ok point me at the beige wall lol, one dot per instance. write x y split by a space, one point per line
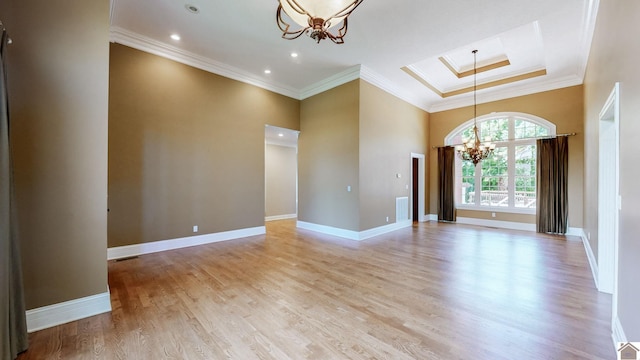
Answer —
58 80
614 56
563 107
186 147
281 176
360 136
390 130
328 158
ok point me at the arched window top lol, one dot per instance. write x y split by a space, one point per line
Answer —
503 126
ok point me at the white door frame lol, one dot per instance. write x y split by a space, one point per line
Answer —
609 195
421 188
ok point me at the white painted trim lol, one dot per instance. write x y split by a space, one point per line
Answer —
577 232
421 185
329 230
384 84
163 245
336 80
497 223
280 217
64 312
380 230
608 193
588 28
431 217
617 332
525 87
593 264
351 234
146 44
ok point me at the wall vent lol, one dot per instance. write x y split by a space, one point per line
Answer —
402 209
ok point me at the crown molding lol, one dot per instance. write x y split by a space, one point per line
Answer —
146 44
384 84
336 80
588 28
526 88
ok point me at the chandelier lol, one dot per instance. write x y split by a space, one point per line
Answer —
472 149
316 18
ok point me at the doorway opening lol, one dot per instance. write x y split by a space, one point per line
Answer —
417 187
609 200
280 173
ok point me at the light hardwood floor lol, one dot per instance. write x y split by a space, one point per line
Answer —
432 291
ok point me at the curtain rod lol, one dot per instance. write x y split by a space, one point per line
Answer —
9 41
530 138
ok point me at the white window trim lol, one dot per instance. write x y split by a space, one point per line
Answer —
510 144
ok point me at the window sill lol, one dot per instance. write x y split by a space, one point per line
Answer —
496 209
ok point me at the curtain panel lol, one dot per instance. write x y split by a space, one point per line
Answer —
13 326
446 178
552 212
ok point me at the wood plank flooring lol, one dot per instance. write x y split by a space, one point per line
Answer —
432 291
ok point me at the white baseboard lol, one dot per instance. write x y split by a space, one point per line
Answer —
163 245
432 217
280 217
497 223
617 333
591 257
64 312
351 234
369 233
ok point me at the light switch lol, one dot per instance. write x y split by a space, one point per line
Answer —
349 188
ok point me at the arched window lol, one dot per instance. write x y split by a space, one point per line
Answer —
506 181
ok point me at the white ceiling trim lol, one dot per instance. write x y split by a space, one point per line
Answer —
336 80
509 92
589 26
384 84
143 43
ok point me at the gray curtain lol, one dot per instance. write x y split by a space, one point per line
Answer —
552 212
446 174
13 331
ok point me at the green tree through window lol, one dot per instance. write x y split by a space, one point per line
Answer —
506 180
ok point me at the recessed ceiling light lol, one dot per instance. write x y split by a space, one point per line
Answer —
281 134
294 54
192 9
175 37
267 71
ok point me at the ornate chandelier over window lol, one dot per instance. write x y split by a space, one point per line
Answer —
472 149
316 18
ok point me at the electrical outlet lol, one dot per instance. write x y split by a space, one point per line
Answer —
387 219
195 228
493 214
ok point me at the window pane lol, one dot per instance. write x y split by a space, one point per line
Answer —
496 129
525 194
468 190
495 179
525 129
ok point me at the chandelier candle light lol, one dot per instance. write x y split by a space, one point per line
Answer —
316 18
474 150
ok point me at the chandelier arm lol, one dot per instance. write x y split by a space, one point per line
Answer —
297 8
320 27
289 35
347 10
338 39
